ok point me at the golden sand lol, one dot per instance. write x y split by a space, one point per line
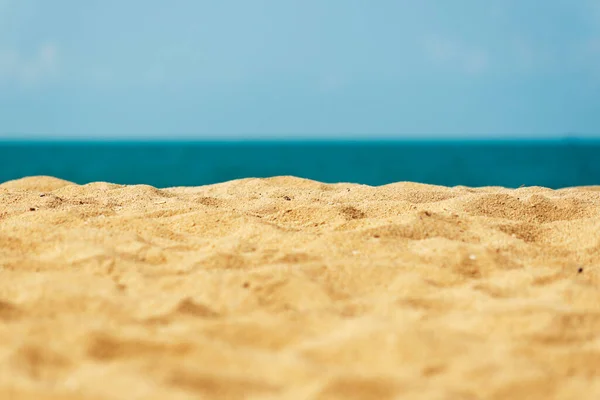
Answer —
286 288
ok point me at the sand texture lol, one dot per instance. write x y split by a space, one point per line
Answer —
286 288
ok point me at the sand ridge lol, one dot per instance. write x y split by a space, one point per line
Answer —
295 289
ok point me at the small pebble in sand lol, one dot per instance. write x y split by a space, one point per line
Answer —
472 257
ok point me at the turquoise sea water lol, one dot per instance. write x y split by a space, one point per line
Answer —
551 163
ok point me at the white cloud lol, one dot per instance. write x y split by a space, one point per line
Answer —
451 53
475 62
29 70
332 82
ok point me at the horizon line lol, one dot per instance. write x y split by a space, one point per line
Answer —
296 138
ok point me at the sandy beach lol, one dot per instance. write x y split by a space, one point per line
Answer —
286 288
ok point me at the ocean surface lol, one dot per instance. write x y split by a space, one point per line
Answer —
549 163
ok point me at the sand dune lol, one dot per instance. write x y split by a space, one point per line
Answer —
286 288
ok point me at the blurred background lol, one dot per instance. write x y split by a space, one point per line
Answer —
192 92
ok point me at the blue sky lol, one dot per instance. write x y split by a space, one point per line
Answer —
299 68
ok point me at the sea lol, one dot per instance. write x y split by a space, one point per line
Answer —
510 163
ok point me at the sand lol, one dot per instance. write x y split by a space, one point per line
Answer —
286 288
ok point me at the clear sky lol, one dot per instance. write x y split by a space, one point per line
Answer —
299 68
